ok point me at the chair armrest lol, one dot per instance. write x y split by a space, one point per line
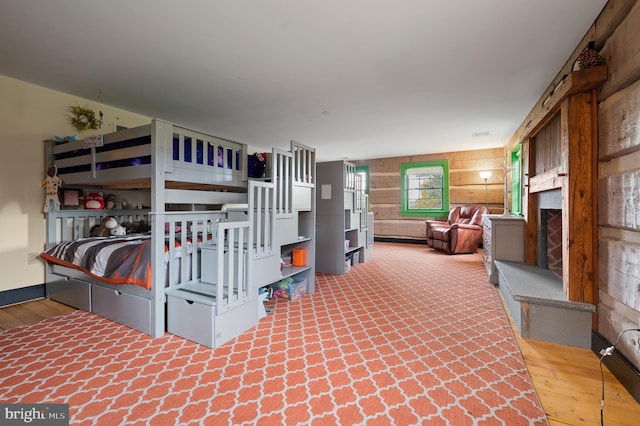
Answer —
439 223
466 226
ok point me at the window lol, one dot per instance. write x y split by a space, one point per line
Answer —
424 188
516 187
364 172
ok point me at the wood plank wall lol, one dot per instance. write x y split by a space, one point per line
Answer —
619 184
465 186
615 34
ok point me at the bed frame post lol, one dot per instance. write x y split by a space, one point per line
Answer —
161 138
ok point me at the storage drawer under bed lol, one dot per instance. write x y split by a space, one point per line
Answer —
71 292
194 318
191 320
126 309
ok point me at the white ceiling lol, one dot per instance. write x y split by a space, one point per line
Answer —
357 79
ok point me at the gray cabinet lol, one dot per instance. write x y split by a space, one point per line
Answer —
341 217
502 239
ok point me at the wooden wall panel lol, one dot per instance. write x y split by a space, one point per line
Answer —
384 180
465 186
385 212
405 228
619 118
613 13
619 200
474 194
472 177
620 270
384 196
610 323
621 53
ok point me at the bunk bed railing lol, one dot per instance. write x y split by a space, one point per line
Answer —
195 152
364 211
349 176
232 288
227 240
282 178
133 154
67 225
82 163
262 218
304 159
359 192
184 234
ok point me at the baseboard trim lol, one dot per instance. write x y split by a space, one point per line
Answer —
626 373
22 294
400 240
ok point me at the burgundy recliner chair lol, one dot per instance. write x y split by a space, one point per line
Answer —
461 233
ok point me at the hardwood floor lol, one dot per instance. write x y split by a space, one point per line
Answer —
30 312
566 378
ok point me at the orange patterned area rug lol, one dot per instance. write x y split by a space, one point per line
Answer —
410 337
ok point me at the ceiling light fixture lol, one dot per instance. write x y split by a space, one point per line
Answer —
480 134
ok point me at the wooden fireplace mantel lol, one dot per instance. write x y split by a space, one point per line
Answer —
575 99
576 82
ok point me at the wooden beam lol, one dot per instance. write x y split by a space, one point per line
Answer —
531 210
579 199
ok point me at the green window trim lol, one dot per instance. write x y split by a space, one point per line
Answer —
365 170
516 183
436 192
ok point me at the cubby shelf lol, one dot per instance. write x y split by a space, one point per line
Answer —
341 216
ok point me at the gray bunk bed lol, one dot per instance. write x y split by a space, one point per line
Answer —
178 167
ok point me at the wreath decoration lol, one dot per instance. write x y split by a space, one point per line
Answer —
83 118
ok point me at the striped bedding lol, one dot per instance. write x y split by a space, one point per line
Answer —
114 260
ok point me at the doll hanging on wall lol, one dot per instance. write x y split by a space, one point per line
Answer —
51 185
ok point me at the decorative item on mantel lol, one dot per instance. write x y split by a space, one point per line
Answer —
588 58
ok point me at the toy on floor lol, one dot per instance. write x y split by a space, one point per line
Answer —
264 294
51 185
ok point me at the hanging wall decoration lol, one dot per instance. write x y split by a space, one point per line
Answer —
51 185
83 118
